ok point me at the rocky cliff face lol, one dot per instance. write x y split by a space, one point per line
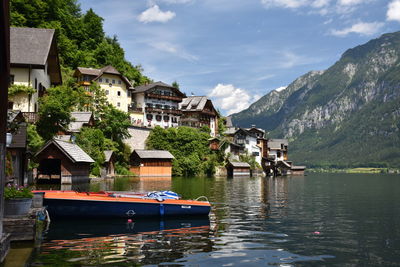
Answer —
357 99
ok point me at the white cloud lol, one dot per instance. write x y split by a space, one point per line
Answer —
176 1
231 99
173 49
284 3
350 2
279 89
361 28
393 12
320 3
154 14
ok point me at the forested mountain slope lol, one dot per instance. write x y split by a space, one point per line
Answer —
348 115
81 38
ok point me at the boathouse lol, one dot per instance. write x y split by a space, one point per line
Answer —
63 162
151 163
108 169
235 169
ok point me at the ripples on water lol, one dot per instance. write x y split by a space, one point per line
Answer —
300 221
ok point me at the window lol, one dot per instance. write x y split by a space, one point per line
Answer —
107 80
100 80
166 107
166 118
158 106
118 93
149 117
119 82
255 154
11 79
35 83
174 119
129 94
113 81
118 104
107 92
158 117
149 105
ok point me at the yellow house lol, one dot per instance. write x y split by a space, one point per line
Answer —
116 86
34 63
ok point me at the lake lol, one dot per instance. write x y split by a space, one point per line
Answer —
318 219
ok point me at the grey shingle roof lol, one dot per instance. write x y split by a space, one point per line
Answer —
146 87
194 103
71 150
154 154
81 116
240 164
89 71
30 45
277 143
108 154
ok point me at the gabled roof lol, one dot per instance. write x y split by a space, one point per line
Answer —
97 73
33 47
245 132
197 103
13 115
240 164
30 46
153 154
277 143
78 120
147 87
71 150
108 154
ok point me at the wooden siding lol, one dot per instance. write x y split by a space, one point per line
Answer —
152 171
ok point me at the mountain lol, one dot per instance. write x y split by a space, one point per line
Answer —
345 116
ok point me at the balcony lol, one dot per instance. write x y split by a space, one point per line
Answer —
134 109
31 117
163 110
165 97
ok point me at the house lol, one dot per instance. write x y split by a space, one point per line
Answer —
258 132
198 111
214 143
116 86
34 63
235 169
108 169
18 147
248 141
79 120
151 163
63 162
156 104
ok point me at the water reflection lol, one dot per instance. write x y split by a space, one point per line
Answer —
320 219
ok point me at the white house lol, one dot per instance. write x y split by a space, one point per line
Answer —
156 104
116 86
249 141
34 63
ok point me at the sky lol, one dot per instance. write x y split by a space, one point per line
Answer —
236 51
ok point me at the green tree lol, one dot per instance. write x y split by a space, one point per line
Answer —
114 123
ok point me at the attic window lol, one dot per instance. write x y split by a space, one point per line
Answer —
119 82
100 80
107 80
158 117
113 81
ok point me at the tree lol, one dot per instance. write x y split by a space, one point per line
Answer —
55 110
188 145
114 123
175 84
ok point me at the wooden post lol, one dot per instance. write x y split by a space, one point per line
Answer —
4 83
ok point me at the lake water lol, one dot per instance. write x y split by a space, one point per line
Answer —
318 219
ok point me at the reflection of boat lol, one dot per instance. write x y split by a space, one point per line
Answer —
82 228
103 204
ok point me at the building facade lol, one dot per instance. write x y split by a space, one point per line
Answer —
248 141
117 87
198 111
34 63
151 163
156 104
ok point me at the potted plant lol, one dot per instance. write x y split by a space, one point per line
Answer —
18 200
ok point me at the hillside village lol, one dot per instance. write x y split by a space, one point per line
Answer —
35 67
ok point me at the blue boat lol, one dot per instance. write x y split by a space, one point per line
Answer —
105 204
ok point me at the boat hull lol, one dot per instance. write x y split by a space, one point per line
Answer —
92 206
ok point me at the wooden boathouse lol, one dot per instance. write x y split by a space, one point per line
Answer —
151 163
63 162
235 169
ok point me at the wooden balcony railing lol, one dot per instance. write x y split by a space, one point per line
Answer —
166 97
163 110
31 117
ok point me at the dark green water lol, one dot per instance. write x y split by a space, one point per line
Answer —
316 220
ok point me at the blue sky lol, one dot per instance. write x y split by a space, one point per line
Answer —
235 51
